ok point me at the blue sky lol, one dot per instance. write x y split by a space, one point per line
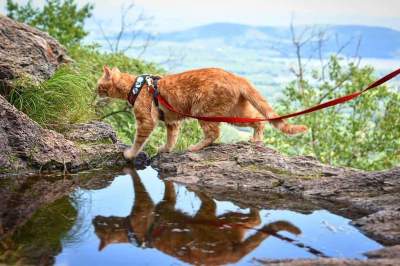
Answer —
170 15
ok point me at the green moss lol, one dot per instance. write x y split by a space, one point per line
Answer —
311 176
266 168
93 142
208 162
279 171
276 183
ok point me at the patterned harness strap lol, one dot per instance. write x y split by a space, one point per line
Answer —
152 82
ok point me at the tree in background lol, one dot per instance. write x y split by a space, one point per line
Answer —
132 34
62 19
363 133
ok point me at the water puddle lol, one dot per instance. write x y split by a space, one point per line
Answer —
138 219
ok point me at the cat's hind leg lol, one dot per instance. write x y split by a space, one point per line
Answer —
258 134
208 207
211 133
172 137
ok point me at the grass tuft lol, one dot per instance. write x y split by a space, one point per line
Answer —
65 98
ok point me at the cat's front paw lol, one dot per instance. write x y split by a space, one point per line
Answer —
129 154
194 148
164 149
255 140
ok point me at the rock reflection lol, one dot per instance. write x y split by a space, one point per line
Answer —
203 238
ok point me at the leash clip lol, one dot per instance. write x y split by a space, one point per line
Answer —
149 81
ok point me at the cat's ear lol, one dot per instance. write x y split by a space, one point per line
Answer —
116 70
107 72
116 74
102 244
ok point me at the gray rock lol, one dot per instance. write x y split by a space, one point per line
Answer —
389 256
383 226
388 252
26 51
26 146
93 131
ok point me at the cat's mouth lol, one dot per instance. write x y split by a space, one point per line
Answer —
102 94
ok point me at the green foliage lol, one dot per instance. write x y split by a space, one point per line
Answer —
363 133
62 19
65 98
91 60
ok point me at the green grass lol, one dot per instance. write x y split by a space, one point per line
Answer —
65 98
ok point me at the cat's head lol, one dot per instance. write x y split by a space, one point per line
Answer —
113 83
110 230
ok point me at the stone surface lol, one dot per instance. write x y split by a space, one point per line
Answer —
94 131
26 51
252 173
382 257
26 146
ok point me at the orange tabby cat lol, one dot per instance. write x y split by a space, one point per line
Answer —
201 92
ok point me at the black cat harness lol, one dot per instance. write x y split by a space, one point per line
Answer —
152 84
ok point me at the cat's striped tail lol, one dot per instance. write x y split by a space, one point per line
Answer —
255 98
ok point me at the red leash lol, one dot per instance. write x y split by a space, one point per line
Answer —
327 104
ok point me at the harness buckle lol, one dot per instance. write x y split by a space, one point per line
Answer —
149 81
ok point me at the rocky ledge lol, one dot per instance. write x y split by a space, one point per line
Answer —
252 175
389 256
25 146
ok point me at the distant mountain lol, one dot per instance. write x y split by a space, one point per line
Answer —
376 42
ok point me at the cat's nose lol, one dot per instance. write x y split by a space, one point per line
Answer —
102 93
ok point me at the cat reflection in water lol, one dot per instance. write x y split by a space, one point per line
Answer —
205 238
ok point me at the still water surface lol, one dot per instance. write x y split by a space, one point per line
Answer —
138 219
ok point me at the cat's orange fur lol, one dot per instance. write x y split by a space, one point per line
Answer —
201 92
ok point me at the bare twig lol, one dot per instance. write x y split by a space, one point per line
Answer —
174 59
132 27
125 110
